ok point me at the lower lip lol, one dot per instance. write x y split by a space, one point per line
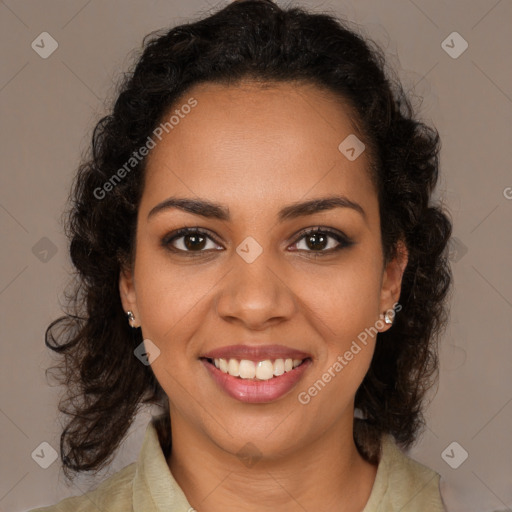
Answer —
257 391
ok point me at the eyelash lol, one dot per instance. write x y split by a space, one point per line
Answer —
343 240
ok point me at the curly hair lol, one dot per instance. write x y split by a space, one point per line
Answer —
105 384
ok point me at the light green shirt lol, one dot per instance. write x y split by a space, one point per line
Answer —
401 484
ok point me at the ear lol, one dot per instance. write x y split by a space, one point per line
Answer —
127 293
392 279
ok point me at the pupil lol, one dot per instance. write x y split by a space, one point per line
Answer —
191 241
316 241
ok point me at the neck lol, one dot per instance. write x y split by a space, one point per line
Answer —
328 474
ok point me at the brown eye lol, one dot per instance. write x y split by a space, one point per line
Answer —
189 240
316 241
194 242
322 240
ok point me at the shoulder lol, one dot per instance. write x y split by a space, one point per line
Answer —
114 494
403 483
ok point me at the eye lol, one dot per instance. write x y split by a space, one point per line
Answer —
321 240
318 241
190 240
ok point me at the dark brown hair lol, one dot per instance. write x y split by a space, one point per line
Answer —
105 383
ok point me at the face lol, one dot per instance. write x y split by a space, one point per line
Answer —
257 269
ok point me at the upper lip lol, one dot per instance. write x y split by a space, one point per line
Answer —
256 352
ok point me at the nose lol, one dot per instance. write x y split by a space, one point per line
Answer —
256 294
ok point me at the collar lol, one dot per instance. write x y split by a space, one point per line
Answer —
400 480
154 487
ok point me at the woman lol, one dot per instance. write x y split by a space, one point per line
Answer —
257 253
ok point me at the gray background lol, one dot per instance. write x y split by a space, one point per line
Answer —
49 107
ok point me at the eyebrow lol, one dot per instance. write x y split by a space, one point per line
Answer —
212 210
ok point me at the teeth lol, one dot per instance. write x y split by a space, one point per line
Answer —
247 369
223 365
278 367
233 368
262 370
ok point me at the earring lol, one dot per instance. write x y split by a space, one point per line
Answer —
388 319
131 318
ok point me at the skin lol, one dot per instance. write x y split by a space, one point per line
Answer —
256 150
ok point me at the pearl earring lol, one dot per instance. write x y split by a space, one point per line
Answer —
388 319
131 318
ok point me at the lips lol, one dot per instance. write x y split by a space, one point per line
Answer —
253 390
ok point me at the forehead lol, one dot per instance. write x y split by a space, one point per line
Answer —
250 142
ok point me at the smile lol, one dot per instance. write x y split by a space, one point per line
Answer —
256 381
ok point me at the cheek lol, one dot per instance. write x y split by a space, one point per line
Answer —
347 309
345 298
170 298
172 304
346 313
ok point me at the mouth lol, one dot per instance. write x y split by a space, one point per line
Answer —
256 381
